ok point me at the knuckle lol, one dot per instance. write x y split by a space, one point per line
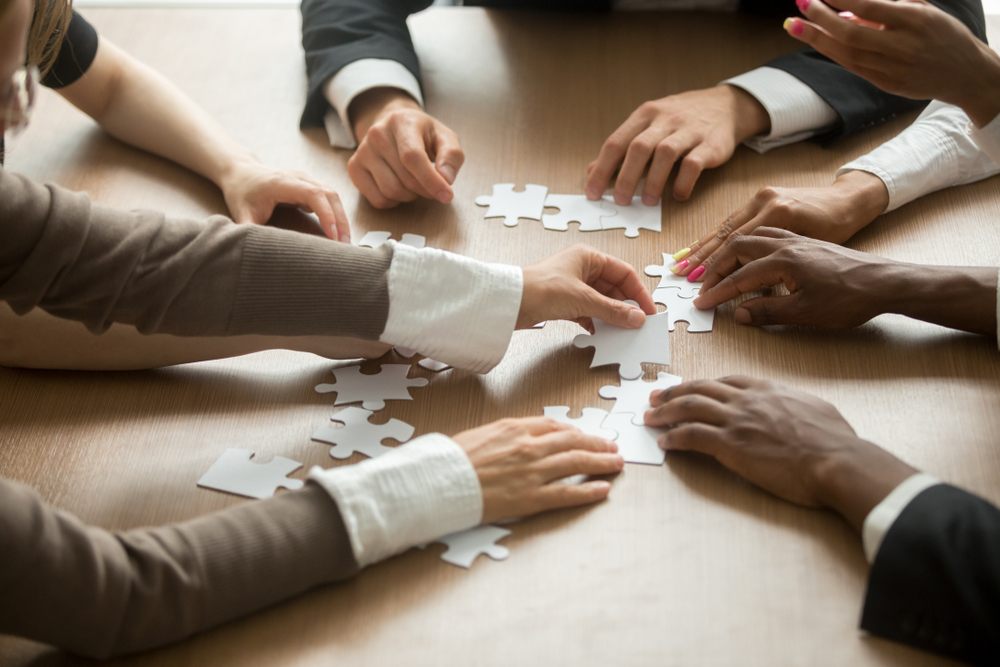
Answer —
411 157
694 162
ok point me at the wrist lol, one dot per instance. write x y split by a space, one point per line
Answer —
750 118
980 99
856 477
232 169
369 106
861 196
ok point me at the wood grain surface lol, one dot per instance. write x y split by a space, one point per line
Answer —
684 564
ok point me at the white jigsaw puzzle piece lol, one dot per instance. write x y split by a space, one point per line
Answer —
680 309
238 472
636 443
358 434
632 396
466 546
634 217
433 365
376 239
512 205
590 422
390 383
629 348
576 208
668 280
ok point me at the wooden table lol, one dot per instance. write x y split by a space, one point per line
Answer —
685 564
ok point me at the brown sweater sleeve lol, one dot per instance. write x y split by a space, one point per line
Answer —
99 594
99 265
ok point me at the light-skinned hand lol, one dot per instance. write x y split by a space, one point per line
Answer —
905 47
252 192
520 462
693 131
403 152
581 283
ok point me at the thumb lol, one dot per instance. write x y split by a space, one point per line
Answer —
763 311
612 311
448 154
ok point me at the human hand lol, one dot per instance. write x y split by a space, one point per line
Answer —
252 192
580 283
696 130
909 48
829 286
787 442
403 152
831 213
520 462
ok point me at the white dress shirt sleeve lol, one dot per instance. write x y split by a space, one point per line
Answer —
797 112
452 308
354 79
988 138
937 151
880 519
415 494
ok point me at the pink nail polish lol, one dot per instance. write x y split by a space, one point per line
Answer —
680 266
803 5
696 274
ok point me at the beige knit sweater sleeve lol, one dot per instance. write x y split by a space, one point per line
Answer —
100 593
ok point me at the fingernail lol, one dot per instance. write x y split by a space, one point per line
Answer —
612 446
662 441
448 172
593 193
803 5
681 254
636 318
649 200
742 316
696 274
795 27
679 266
444 196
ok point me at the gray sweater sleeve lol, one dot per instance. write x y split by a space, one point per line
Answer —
98 265
99 594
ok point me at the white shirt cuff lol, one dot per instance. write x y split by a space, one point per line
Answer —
881 518
354 79
415 494
937 151
988 138
797 112
451 308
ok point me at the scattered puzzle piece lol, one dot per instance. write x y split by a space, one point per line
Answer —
376 239
238 472
632 396
629 348
390 383
510 205
590 422
680 309
358 434
634 217
427 363
466 546
636 443
668 280
576 208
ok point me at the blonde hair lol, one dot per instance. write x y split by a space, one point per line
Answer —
48 29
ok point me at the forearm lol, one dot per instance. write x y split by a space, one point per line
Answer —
147 111
39 340
981 98
101 594
955 297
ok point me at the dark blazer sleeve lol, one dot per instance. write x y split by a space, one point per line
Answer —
858 103
335 33
935 583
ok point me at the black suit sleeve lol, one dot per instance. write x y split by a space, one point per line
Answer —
935 583
860 104
335 33
76 54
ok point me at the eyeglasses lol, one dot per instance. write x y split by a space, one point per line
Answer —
19 99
